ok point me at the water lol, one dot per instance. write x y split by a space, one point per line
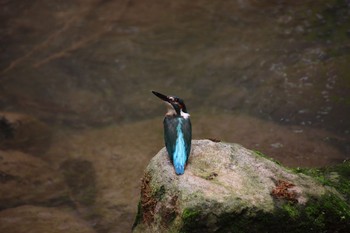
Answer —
270 75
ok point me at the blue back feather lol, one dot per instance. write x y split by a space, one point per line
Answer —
179 156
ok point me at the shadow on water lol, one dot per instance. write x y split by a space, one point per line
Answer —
270 75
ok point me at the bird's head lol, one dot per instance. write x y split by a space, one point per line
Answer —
177 105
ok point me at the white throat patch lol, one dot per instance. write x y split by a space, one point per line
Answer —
184 115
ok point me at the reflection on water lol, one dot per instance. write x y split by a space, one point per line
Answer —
270 75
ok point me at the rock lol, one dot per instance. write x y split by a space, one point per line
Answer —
32 219
24 133
26 179
337 176
227 188
80 177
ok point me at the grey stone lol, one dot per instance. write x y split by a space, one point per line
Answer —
227 188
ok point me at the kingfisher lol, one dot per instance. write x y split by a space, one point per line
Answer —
177 131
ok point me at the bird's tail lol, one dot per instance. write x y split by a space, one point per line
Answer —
179 169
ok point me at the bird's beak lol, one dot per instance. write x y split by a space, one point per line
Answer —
161 96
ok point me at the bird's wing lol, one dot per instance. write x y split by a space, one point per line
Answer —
187 131
170 135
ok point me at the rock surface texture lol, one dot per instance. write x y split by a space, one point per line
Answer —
227 188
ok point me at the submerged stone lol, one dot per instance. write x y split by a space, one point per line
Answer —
24 133
227 188
30 218
25 179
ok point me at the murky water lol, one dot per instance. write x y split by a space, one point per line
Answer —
273 76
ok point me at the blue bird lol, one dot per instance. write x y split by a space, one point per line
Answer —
177 131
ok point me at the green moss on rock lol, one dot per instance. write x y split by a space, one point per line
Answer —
328 213
192 221
292 211
138 218
337 176
159 193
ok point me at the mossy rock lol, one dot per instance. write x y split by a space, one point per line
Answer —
337 177
248 193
